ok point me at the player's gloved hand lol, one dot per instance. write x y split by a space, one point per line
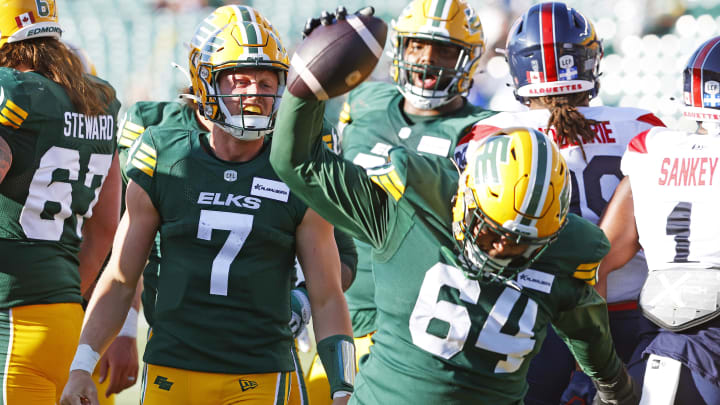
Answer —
327 18
300 307
620 390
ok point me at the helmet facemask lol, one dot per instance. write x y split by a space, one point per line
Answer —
480 265
248 125
450 82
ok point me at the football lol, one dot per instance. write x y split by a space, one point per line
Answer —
335 58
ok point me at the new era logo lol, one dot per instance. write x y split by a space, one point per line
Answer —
247 385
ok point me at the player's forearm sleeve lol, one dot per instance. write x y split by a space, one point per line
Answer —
586 331
336 189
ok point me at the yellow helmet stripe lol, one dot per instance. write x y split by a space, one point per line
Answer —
540 175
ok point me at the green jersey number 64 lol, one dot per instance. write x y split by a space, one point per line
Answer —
428 308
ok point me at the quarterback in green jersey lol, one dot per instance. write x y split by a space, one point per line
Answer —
59 197
424 110
230 231
172 114
458 325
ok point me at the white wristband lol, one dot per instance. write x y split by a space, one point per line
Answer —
340 394
129 328
85 359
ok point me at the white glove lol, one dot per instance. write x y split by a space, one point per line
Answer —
300 308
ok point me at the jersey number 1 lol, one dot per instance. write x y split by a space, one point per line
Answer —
678 224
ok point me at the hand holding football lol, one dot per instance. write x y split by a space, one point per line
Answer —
339 52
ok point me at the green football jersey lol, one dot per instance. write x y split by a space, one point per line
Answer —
372 122
443 338
60 161
139 116
227 255
171 114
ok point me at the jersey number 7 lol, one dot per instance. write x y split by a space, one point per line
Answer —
239 226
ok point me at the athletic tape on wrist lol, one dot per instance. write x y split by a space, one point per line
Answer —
85 359
337 354
129 328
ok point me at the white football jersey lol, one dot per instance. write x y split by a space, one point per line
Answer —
675 182
595 179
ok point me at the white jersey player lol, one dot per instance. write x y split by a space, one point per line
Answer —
672 188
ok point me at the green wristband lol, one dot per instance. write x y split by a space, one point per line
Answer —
337 354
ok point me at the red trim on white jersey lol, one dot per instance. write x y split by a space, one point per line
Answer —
638 143
479 132
652 120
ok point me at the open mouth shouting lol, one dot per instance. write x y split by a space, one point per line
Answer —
424 80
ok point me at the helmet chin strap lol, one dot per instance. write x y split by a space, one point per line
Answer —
425 99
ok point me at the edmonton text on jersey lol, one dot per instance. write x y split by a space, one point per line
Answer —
685 171
91 127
